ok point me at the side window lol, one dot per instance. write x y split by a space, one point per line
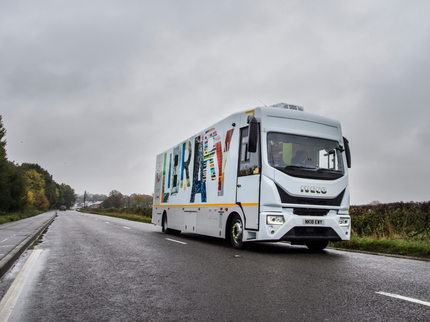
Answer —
249 163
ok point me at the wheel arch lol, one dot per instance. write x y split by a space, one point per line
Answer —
228 223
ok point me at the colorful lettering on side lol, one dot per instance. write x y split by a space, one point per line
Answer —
210 140
176 169
223 163
158 178
186 146
199 185
164 195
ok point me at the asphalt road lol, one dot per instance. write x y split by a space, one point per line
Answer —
96 268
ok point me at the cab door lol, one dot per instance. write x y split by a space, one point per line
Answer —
248 181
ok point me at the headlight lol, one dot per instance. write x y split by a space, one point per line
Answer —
275 220
343 222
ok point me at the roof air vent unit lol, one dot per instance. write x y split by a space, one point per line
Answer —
289 107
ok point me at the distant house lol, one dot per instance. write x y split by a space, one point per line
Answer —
97 204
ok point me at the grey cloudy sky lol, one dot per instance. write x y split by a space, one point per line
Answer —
92 91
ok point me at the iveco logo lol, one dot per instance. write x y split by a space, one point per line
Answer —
313 189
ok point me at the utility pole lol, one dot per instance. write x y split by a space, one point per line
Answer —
85 197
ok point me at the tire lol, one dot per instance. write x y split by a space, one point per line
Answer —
236 232
164 228
316 246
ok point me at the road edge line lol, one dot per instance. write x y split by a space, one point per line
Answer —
405 298
14 254
9 300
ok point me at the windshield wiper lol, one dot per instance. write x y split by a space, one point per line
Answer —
301 171
299 167
327 170
310 169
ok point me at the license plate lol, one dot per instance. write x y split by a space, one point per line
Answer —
313 222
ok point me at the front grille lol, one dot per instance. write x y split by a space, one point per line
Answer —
310 212
310 231
287 198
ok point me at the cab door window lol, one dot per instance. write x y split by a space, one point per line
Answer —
249 163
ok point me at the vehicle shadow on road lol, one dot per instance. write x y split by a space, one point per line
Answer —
256 247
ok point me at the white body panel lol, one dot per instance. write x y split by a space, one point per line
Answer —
199 183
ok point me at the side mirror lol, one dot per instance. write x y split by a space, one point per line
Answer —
253 135
347 152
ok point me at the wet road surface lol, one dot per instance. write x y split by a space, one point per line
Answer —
96 268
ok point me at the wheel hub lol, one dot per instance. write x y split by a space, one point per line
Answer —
237 231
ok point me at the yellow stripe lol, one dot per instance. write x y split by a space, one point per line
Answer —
208 205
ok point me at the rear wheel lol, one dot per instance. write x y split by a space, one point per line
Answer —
164 228
236 232
317 246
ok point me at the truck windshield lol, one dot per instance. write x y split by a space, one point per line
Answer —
305 157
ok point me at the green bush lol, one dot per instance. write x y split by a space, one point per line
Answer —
138 211
417 248
134 215
406 220
8 217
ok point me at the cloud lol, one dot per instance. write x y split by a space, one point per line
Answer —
95 90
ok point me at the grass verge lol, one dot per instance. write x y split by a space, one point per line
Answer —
123 216
394 246
4 218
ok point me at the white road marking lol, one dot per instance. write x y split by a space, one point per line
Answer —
7 245
107 222
410 299
8 302
3 240
176 241
126 227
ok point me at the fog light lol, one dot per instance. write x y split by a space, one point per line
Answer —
343 222
275 220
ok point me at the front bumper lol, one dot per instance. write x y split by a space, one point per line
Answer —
297 229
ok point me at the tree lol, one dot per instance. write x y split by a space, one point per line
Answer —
17 188
12 182
128 200
115 199
2 139
28 185
4 195
67 196
51 192
36 190
139 200
35 181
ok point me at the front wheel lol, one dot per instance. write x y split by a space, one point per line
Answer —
236 232
316 246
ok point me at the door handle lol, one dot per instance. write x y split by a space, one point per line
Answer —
239 185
